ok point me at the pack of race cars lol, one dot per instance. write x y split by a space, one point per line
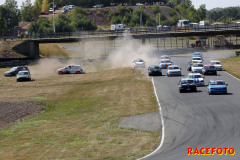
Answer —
195 78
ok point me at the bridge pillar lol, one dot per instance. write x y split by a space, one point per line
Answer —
28 48
143 41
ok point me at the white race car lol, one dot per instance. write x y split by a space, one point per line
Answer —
217 64
138 63
197 60
197 67
198 78
174 70
71 69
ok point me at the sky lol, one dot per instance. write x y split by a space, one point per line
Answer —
209 3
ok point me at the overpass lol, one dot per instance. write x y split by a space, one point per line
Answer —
30 46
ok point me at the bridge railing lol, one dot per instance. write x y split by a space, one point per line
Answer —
132 31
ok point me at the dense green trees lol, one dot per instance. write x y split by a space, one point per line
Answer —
76 21
224 14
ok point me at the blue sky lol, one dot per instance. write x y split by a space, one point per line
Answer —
209 3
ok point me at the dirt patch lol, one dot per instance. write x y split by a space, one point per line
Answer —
11 112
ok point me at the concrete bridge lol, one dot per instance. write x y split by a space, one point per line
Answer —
30 47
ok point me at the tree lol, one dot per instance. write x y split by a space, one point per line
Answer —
27 11
45 5
63 24
156 9
12 14
3 24
202 11
37 8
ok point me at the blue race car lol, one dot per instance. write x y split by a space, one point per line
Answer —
164 63
217 86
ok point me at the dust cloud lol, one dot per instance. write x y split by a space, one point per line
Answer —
45 68
133 49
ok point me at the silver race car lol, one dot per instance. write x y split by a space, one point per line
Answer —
71 69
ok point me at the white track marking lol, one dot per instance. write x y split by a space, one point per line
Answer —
163 127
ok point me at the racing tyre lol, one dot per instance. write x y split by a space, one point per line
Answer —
78 72
180 91
60 72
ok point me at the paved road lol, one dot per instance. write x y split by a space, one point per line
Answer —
198 119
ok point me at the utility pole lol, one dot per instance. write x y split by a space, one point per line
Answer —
53 19
159 18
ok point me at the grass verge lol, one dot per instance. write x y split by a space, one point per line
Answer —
232 65
81 117
52 50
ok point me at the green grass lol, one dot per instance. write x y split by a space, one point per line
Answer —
82 123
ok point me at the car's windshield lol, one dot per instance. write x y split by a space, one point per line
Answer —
23 73
215 63
13 69
198 65
173 68
194 76
209 67
139 60
165 61
197 58
189 81
217 83
156 67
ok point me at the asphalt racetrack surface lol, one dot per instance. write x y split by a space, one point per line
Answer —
197 119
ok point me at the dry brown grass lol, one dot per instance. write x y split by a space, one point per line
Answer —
52 50
82 116
232 65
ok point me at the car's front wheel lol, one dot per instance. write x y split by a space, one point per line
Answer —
78 72
60 72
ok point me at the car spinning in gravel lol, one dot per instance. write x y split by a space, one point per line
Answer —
217 86
23 76
198 78
174 70
71 69
139 63
14 71
187 85
217 64
197 67
154 70
164 63
209 69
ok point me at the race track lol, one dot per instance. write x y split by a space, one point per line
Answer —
200 120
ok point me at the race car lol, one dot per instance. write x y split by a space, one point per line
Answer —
197 60
209 69
165 57
189 68
217 65
71 69
174 70
197 54
138 63
197 67
217 86
23 76
197 77
154 70
187 84
14 71
164 63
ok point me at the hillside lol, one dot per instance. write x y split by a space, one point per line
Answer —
100 15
